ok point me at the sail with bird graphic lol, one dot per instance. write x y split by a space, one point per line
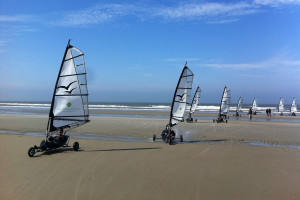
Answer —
181 96
69 106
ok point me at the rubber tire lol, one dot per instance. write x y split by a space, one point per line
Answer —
226 121
154 138
75 146
195 120
181 138
31 152
170 141
213 121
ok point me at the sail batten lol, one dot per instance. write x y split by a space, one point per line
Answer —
181 96
70 95
73 75
69 107
74 57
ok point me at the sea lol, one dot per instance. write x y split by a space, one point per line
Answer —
42 108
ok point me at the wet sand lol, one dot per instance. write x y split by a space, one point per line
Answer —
220 165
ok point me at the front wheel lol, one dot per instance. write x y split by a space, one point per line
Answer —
31 152
75 146
154 138
181 138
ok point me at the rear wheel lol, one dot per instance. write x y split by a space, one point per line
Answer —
181 138
226 121
31 152
75 146
154 138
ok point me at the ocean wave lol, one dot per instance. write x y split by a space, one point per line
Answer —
19 106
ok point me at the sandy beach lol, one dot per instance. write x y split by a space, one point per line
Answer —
216 161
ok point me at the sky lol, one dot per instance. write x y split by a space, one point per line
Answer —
136 50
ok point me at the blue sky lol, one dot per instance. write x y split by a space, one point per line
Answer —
135 51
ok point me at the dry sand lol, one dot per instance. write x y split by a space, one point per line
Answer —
225 168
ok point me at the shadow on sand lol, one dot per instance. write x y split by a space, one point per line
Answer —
204 141
129 149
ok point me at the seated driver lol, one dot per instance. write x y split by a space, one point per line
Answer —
165 134
57 140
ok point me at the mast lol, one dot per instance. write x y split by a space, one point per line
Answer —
51 115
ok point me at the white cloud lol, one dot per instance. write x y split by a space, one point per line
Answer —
3 42
192 11
213 13
223 21
16 18
277 62
96 15
276 3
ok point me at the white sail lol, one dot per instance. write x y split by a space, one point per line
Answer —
225 101
254 105
239 105
195 100
69 107
294 106
181 96
281 105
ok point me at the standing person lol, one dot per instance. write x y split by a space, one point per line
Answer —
250 113
267 111
270 112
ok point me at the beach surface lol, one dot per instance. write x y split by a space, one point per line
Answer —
118 160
